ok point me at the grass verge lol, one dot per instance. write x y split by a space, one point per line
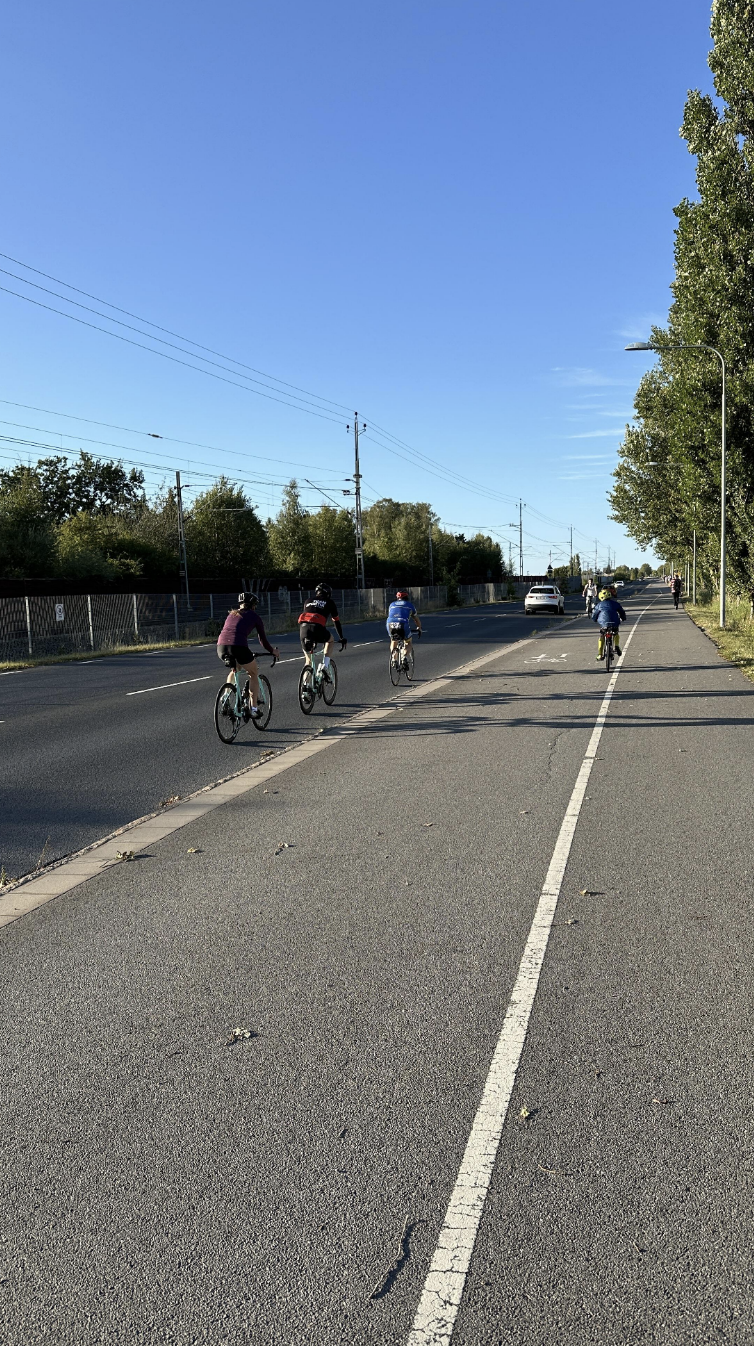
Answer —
13 665
736 642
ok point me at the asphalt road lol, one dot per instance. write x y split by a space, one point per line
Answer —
82 755
161 1185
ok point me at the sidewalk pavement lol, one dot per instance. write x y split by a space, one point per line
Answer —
362 918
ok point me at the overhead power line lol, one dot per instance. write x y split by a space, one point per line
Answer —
272 378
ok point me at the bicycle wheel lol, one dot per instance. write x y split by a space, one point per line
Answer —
395 668
264 703
330 683
608 655
227 723
306 691
409 669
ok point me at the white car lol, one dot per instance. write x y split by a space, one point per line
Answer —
544 598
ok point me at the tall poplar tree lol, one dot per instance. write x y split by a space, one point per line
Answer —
667 482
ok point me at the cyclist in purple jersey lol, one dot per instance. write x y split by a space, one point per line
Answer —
233 644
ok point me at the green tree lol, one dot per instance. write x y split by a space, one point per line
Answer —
224 534
289 537
397 534
92 485
667 483
332 538
27 538
645 570
96 544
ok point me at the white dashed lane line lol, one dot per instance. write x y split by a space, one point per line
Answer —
184 683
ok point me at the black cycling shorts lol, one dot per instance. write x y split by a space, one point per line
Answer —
312 634
400 631
235 654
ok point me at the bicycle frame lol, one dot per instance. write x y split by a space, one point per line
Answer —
240 692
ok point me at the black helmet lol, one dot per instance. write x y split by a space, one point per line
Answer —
248 598
323 591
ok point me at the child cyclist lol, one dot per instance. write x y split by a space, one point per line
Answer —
608 612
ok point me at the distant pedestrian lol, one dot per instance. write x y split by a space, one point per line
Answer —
675 588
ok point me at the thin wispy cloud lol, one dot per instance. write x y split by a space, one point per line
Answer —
579 376
596 434
639 329
589 457
581 476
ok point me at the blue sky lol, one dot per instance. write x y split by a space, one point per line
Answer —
450 215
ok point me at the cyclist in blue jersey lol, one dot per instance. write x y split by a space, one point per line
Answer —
233 645
399 617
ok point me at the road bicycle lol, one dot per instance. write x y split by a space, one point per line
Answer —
402 661
233 707
316 681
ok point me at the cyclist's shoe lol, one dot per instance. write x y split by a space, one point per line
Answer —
404 666
326 674
600 658
618 652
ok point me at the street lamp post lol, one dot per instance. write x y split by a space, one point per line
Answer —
650 346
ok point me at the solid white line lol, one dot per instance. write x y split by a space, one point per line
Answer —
163 685
443 1288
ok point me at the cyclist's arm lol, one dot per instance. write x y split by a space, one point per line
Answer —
336 623
262 637
417 619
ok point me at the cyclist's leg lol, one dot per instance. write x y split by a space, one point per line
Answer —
308 645
601 645
251 669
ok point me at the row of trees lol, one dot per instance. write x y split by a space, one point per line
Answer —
91 517
667 483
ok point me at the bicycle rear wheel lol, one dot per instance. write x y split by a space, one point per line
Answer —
264 704
395 668
608 655
409 669
330 683
227 723
306 693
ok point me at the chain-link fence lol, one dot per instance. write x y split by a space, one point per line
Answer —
74 623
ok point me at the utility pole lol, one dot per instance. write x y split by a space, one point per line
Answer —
520 526
182 566
357 484
431 563
693 596
596 544
570 563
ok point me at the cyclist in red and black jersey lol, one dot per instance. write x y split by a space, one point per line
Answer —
312 624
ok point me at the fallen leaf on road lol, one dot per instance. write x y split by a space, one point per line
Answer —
194 850
427 824
525 1112
125 855
171 799
284 846
267 752
240 1035
663 1102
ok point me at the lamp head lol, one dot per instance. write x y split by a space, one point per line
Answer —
640 346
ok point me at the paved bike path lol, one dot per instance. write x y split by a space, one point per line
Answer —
164 1186
87 747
